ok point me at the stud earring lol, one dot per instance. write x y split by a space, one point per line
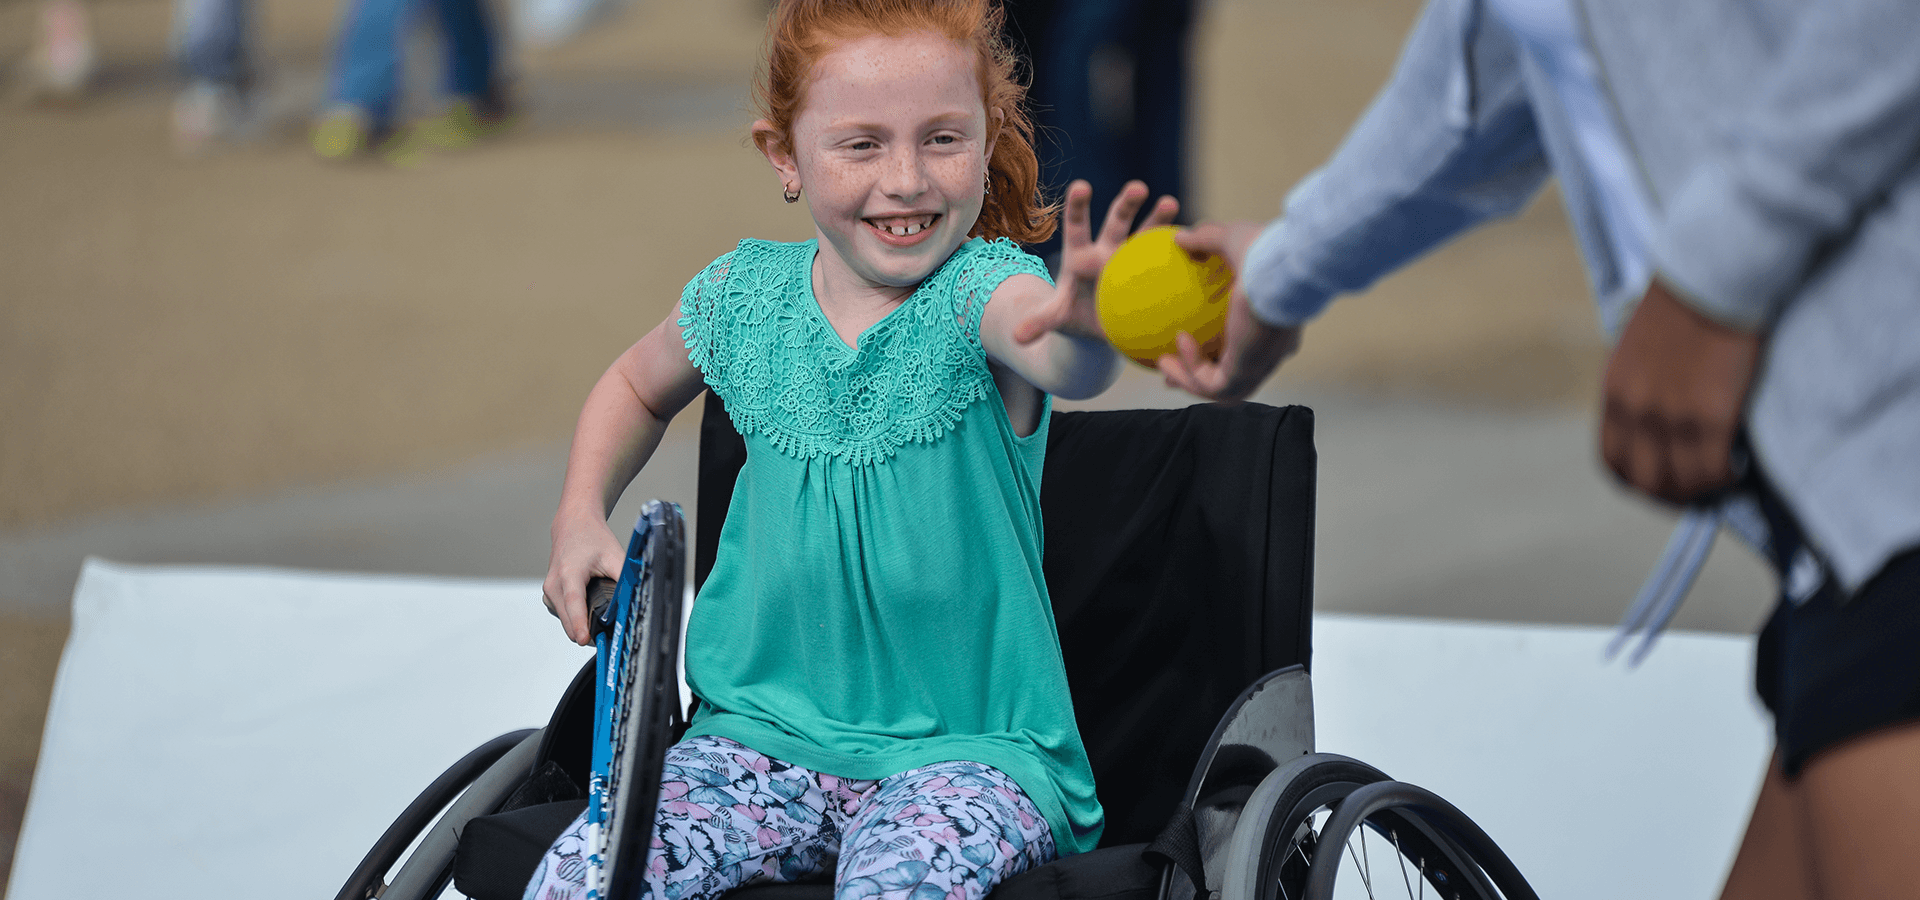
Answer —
791 195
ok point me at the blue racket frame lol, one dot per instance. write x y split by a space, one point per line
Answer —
636 699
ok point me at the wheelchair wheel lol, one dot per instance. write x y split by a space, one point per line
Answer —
474 786
1288 835
1427 838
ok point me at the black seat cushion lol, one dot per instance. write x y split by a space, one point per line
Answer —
498 853
1109 873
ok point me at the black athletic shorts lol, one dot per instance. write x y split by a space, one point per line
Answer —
1837 667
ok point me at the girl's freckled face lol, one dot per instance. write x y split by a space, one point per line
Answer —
891 144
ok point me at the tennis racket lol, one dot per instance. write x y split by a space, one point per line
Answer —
636 625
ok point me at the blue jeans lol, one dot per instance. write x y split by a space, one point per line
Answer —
367 59
211 39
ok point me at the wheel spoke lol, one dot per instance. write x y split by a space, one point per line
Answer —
1361 863
1402 853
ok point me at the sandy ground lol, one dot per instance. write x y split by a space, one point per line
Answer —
187 330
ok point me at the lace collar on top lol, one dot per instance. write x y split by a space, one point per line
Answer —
754 329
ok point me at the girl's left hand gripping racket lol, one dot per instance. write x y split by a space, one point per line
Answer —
636 625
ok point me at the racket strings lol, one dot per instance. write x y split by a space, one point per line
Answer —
630 669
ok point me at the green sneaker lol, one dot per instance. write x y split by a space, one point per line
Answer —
462 125
341 134
345 134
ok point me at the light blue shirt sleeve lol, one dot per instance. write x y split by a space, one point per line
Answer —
1450 142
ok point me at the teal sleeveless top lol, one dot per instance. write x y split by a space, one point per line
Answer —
876 602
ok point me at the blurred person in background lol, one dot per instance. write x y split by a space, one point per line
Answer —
61 61
362 112
550 23
1110 92
1743 177
212 41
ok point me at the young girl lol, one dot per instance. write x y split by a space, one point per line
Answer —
881 692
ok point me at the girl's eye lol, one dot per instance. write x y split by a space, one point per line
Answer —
944 139
863 145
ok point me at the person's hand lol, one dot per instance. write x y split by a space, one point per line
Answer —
1251 349
1675 389
1082 257
583 547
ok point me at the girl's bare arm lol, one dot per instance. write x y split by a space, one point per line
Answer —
620 425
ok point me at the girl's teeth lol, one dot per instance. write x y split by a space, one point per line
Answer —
904 230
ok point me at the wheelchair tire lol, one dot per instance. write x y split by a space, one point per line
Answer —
1277 843
1417 823
1267 853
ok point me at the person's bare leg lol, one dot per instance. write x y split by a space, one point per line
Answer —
1773 862
1862 804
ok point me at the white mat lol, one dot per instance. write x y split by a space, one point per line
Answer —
1598 780
221 732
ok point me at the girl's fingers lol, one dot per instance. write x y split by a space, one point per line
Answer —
1162 214
1076 230
1120 214
576 610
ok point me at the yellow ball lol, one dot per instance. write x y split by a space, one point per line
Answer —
1151 290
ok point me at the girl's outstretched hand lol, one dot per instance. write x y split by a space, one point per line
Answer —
1083 256
583 547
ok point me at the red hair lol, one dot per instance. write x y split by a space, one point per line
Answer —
800 32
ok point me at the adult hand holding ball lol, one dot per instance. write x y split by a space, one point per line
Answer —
1151 290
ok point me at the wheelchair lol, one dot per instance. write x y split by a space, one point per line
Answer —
1179 560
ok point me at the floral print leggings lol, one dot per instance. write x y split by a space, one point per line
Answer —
730 816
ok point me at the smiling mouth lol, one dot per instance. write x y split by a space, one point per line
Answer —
904 226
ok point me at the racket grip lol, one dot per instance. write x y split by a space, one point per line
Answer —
599 596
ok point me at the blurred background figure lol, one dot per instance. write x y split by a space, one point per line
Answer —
548 23
362 110
211 42
61 61
1110 94
211 45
